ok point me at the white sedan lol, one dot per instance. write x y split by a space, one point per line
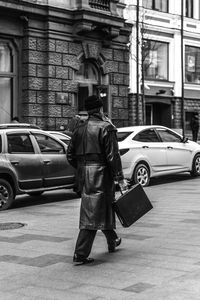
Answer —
151 151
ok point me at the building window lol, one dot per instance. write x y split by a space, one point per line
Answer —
155 60
7 77
192 64
90 83
189 8
160 5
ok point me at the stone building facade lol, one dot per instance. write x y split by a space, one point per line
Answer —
166 91
55 53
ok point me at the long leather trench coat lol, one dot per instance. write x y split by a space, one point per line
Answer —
93 151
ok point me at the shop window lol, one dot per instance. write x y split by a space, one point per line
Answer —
192 64
189 11
155 59
160 5
7 77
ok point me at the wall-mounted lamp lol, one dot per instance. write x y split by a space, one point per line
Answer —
161 92
172 91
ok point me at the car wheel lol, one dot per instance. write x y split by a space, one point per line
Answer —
141 174
39 193
6 194
196 166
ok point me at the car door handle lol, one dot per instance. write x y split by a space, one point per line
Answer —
15 162
46 162
145 147
170 147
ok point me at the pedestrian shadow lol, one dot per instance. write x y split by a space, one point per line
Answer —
49 197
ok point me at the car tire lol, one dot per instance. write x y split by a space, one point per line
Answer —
39 193
196 166
6 194
141 174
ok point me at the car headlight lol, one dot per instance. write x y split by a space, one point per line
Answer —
123 151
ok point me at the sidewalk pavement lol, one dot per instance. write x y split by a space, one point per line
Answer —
159 257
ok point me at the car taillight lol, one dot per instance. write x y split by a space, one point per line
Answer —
123 151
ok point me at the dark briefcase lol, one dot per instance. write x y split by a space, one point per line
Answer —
132 205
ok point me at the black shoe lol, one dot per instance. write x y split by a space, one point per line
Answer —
78 260
116 243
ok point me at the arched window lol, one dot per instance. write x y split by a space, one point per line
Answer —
7 75
88 71
90 83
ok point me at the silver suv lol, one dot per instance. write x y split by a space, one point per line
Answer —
31 161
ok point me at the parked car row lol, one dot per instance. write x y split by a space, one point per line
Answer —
34 161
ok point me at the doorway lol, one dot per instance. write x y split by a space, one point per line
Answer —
158 114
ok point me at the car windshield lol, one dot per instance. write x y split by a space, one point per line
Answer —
121 136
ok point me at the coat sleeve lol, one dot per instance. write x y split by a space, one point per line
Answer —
71 155
112 152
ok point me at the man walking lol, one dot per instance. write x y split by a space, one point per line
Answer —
93 151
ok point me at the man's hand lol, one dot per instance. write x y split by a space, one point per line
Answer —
123 185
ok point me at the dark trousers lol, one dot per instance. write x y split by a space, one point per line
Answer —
86 238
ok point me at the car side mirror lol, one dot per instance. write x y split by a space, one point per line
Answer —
184 139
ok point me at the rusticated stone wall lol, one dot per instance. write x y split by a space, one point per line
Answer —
49 86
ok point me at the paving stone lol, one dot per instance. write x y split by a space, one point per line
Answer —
159 258
50 293
33 237
139 287
40 261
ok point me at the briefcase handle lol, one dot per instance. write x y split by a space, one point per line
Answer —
125 191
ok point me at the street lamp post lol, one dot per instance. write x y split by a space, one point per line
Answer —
137 60
182 68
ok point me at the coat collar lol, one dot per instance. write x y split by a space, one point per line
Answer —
98 115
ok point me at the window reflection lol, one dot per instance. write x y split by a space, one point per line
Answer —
189 8
192 64
148 136
6 81
5 97
155 55
160 5
87 71
5 58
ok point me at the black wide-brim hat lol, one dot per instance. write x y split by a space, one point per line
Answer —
93 102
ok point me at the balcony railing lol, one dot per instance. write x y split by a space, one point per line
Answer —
100 4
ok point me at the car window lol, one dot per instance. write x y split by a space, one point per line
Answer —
148 135
62 138
48 145
122 136
19 143
168 136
